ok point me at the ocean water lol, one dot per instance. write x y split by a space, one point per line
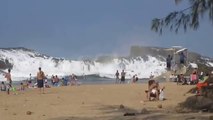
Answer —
86 80
103 80
25 63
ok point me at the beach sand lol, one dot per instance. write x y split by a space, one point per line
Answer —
95 102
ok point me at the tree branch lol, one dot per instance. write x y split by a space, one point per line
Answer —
186 18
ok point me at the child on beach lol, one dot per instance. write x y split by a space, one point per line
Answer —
21 86
29 84
64 82
46 85
161 95
3 86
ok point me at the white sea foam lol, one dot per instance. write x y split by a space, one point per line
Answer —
27 62
210 64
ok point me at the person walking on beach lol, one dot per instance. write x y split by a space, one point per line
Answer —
168 62
40 79
117 77
123 76
8 81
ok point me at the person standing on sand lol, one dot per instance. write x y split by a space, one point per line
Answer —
123 76
40 79
182 58
8 81
117 77
56 81
151 76
53 80
168 62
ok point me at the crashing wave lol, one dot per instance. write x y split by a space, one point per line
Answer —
24 62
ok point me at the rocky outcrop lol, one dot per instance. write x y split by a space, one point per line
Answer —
202 102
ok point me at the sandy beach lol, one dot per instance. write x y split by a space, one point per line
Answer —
100 102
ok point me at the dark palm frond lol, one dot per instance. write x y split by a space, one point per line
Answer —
186 18
155 24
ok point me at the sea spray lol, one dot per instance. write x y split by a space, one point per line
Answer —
26 62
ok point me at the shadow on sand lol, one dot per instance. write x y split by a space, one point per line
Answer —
120 112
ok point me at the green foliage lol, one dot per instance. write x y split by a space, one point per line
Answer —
187 18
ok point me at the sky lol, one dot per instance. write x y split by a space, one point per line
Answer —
87 28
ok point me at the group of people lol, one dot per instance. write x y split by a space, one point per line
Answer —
6 87
120 78
41 82
55 80
65 81
193 79
198 78
182 60
154 91
201 80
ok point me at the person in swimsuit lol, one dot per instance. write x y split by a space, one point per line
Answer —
123 76
117 77
8 81
40 79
